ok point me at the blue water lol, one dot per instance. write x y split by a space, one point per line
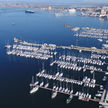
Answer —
16 72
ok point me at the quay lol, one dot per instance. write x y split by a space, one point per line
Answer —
88 49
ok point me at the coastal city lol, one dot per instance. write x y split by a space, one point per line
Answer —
54 54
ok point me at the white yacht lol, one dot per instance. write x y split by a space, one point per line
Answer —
54 94
35 89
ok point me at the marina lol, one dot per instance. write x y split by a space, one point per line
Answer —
75 67
29 51
58 89
64 85
82 98
43 64
85 82
86 32
58 82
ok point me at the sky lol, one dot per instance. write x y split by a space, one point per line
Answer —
59 1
